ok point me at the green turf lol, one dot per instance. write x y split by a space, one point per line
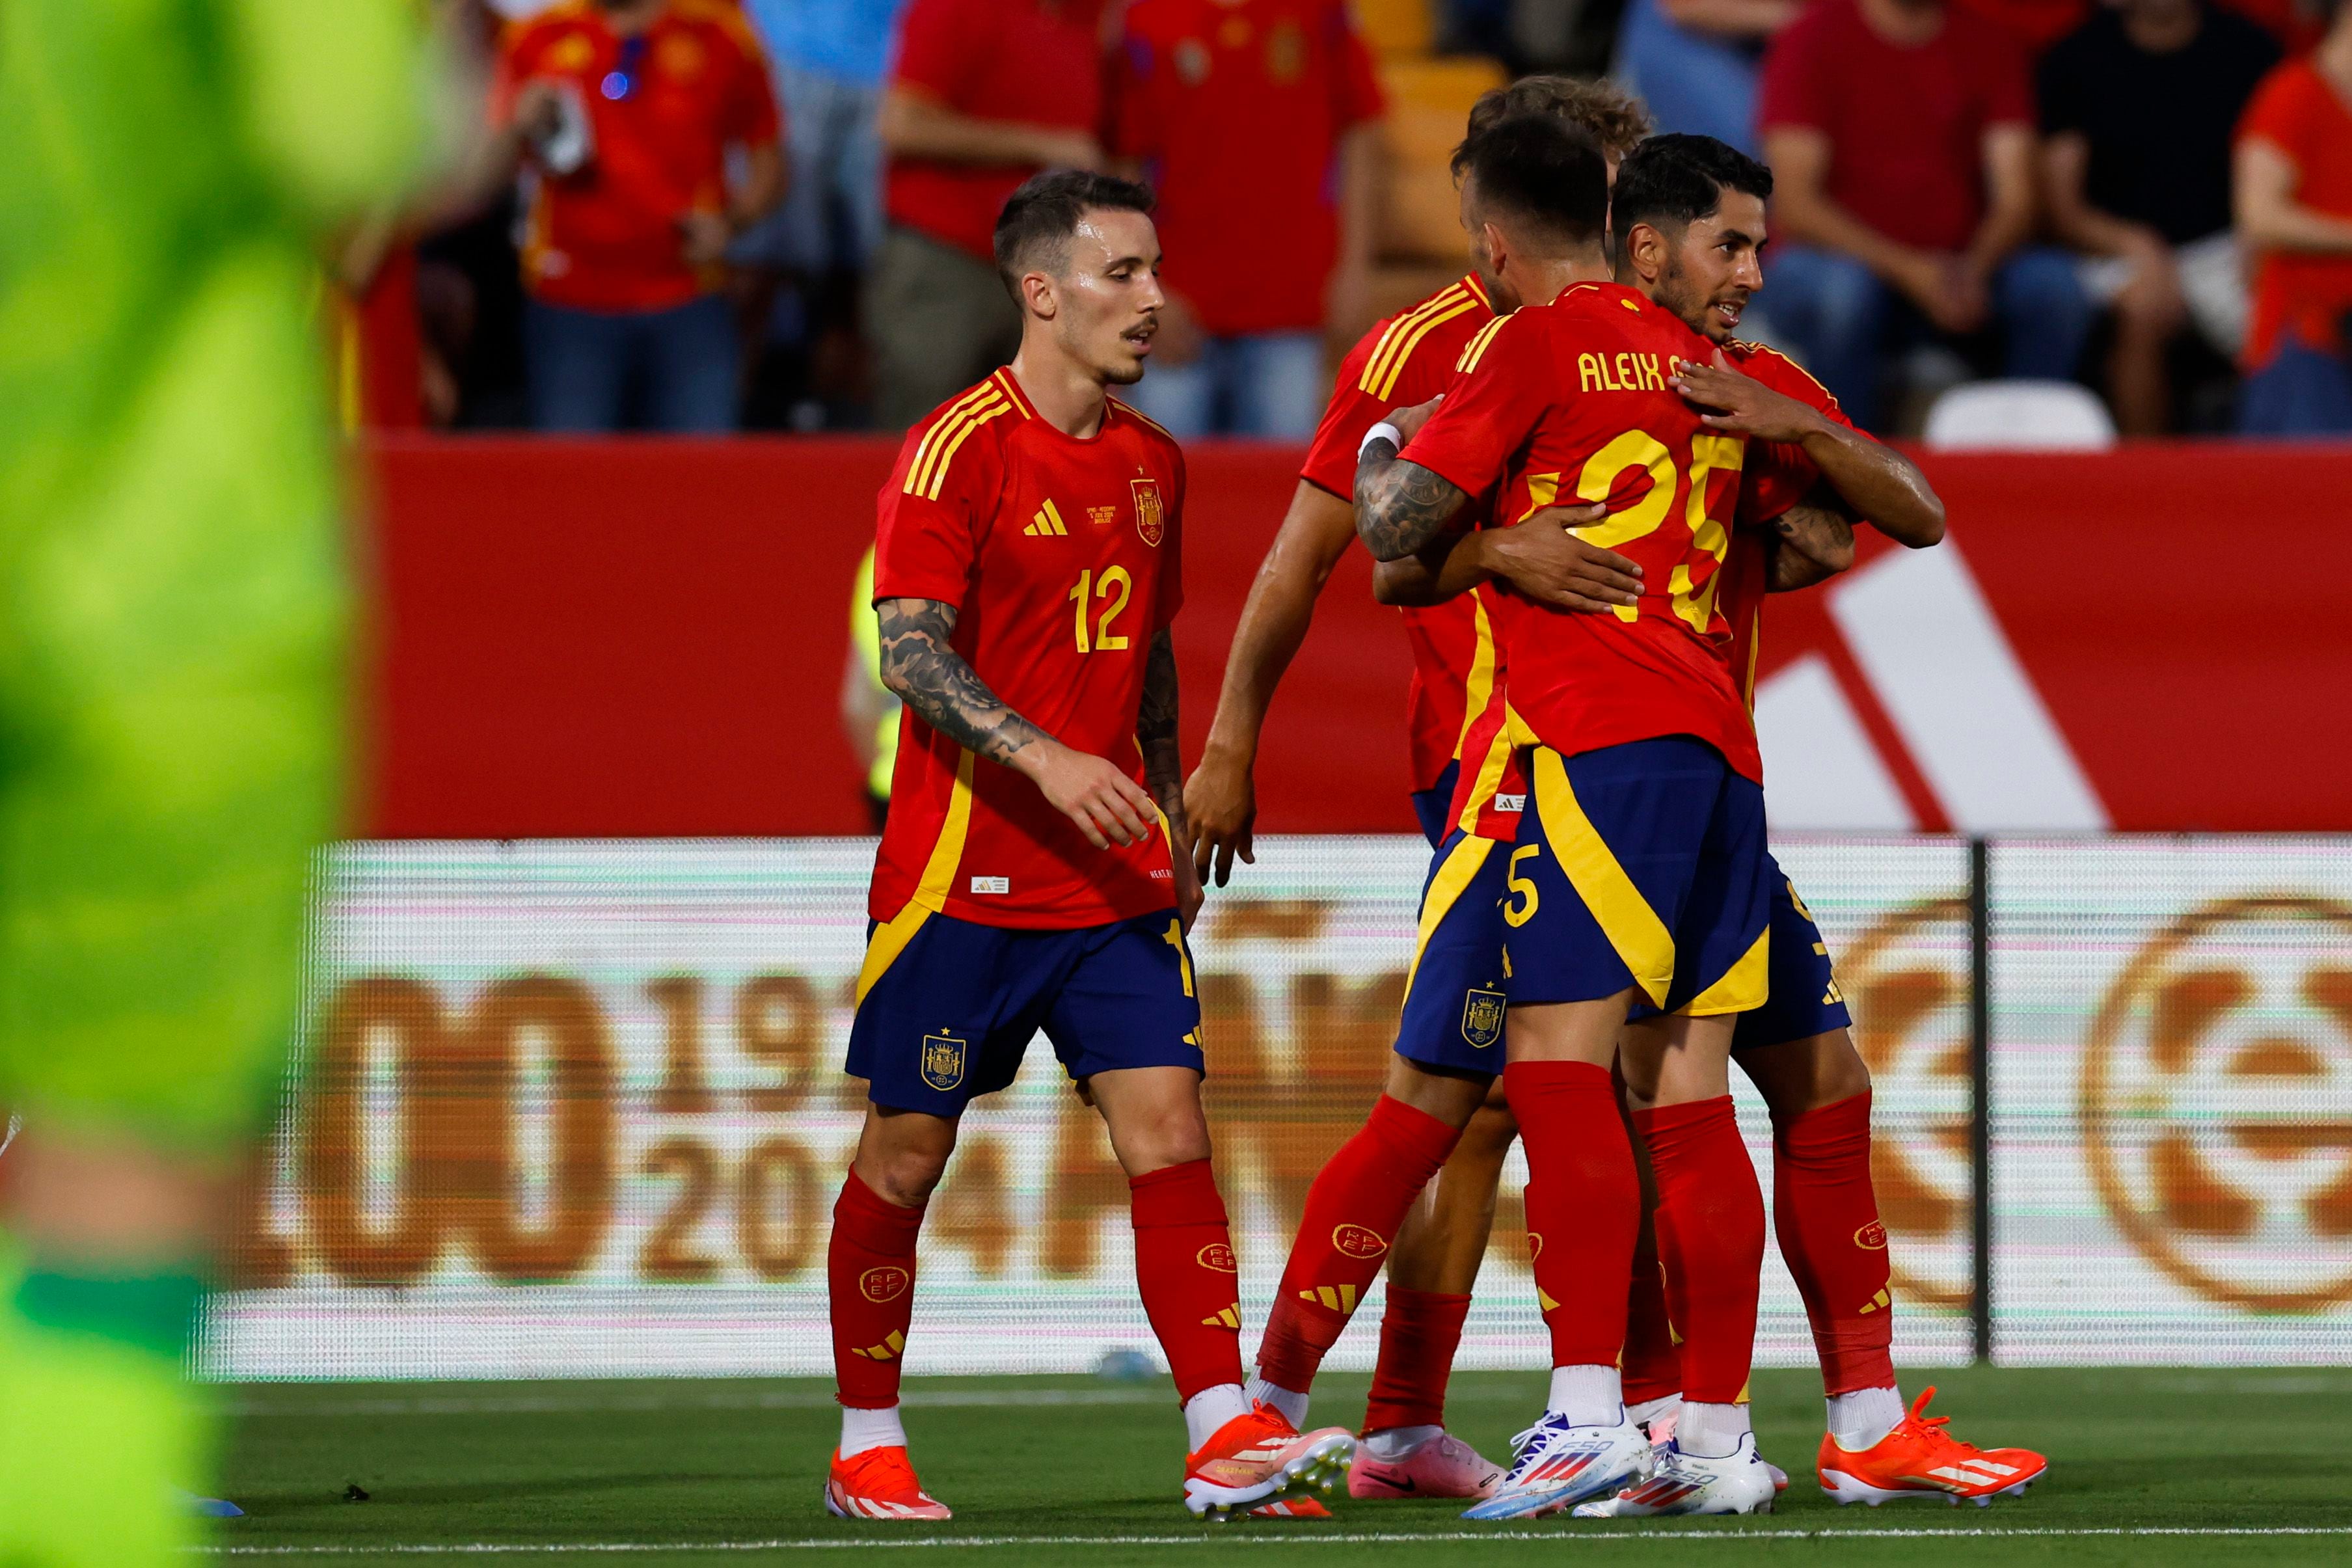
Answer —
1069 1470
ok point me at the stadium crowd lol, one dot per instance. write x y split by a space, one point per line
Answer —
709 215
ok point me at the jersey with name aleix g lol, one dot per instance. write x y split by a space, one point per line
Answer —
1570 402
1061 557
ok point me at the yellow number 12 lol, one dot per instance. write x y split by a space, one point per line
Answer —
1114 580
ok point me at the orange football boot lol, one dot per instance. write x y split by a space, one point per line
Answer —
1290 1507
879 1483
1920 1459
1253 1457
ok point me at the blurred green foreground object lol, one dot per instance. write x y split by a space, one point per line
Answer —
174 624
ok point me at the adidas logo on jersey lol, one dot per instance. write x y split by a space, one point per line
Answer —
1047 524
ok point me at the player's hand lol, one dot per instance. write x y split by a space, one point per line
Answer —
1550 565
1746 407
1109 806
1408 421
1221 807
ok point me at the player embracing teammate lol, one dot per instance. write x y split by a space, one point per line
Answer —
1629 921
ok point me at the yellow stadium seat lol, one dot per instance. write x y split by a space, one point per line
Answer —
1428 102
1395 28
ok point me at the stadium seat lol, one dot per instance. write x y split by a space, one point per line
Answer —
1428 101
1396 29
2053 416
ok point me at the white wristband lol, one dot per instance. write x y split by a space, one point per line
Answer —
1383 431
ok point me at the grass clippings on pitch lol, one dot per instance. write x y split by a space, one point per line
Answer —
2149 1467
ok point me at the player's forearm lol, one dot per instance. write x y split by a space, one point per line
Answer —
1314 533
931 678
1156 730
1878 483
1811 542
1445 569
1400 507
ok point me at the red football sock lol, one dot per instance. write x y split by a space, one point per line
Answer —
869 1273
1584 1204
1826 1213
1185 1271
1710 1224
1419 1335
1353 1209
1652 1367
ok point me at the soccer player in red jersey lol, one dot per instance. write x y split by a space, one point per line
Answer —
1437 1247
1685 204
1033 873
1641 875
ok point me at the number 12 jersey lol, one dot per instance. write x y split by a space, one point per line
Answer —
1062 559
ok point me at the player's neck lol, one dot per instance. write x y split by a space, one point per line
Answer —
1066 395
1550 278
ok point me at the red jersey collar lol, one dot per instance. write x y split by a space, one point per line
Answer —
1011 386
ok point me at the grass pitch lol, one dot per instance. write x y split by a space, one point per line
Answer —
2147 1467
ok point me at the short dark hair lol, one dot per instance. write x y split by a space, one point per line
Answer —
1038 219
1673 181
1541 170
1616 119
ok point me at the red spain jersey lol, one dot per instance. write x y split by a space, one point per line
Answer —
1570 399
1062 558
1777 477
663 109
1237 107
1405 360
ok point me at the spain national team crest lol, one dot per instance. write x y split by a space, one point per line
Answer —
1482 1016
1149 521
943 1056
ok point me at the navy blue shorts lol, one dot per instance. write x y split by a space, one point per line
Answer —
1640 865
1431 807
945 1010
1805 999
1454 996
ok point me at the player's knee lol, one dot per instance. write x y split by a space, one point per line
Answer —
1489 1135
1842 1072
902 1157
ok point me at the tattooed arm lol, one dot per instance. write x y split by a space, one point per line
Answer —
948 694
1163 765
1811 542
1400 507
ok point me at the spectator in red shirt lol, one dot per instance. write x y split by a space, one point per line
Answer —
981 95
627 110
1257 122
2294 217
1901 138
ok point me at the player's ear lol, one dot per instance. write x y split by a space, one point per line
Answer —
1496 246
1038 294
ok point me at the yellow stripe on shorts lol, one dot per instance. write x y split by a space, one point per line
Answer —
1743 986
1642 941
1461 865
891 937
